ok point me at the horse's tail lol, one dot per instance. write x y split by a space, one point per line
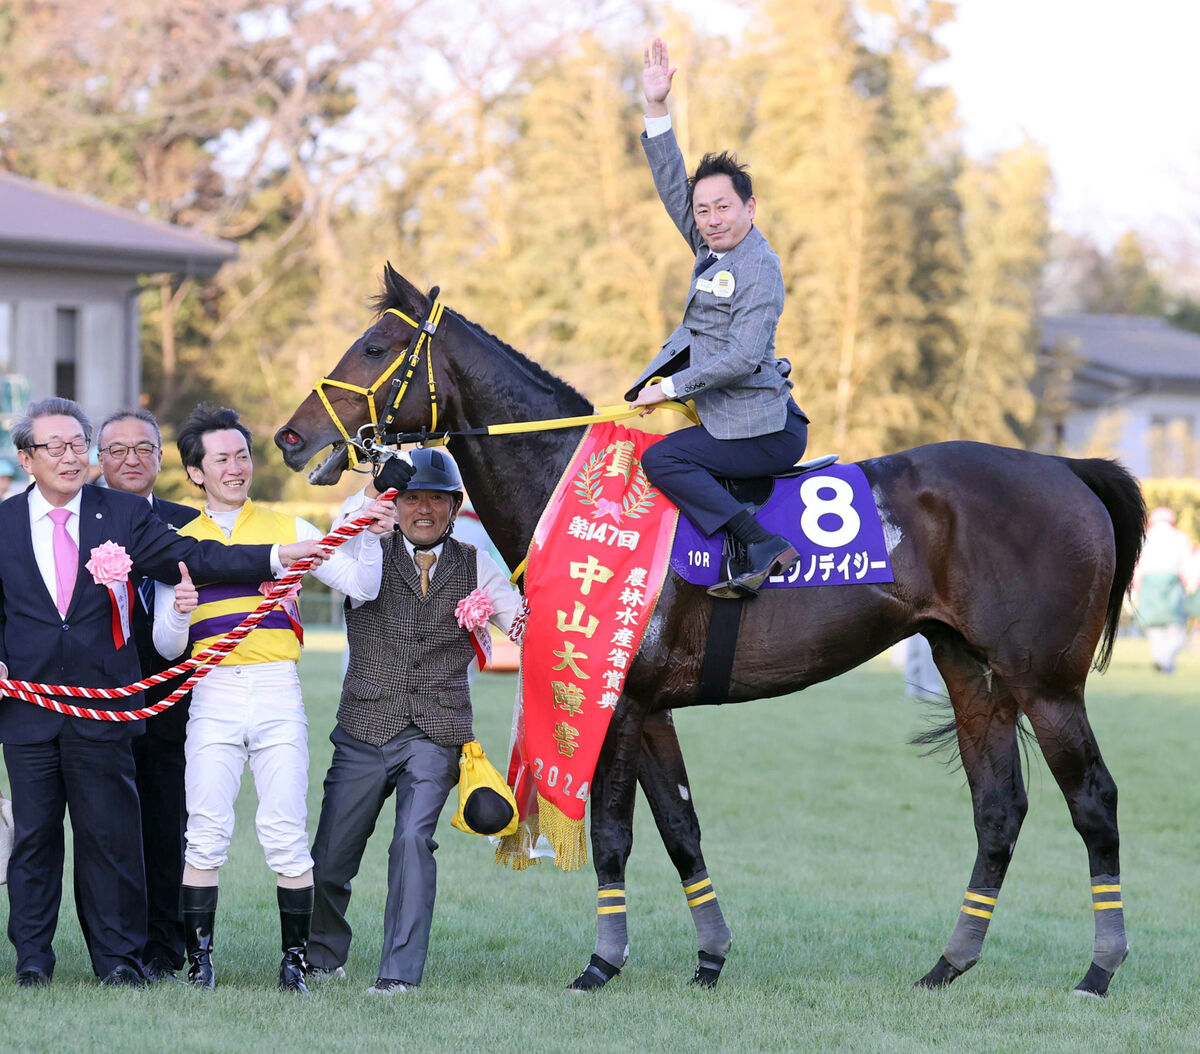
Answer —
1114 485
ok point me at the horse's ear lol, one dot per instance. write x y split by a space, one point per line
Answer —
392 281
400 292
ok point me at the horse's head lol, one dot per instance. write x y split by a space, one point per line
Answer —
358 389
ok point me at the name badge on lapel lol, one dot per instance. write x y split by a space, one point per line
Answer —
721 284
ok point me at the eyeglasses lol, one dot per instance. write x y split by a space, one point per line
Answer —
56 447
119 451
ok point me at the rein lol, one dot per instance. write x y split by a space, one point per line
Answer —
422 343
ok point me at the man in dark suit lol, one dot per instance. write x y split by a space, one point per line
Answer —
723 353
57 626
130 446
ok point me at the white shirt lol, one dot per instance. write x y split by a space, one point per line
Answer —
660 126
506 600
1165 551
41 530
353 569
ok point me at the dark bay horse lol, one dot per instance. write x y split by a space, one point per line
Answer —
1012 564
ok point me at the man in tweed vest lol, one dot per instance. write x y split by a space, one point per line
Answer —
723 354
404 715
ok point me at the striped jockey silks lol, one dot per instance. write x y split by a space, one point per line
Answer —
225 605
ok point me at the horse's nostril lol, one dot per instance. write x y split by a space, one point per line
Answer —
289 437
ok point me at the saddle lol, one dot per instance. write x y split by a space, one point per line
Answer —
756 490
753 493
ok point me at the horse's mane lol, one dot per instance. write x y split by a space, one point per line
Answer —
392 297
535 371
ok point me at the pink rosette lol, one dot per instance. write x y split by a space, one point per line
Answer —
473 611
109 565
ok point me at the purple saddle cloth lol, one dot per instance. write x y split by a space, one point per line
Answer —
828 514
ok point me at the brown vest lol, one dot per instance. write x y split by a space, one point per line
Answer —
408 654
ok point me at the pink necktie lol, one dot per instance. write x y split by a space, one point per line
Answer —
66 558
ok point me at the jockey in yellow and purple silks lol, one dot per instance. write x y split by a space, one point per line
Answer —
249 708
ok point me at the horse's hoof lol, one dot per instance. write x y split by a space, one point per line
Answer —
595 975
940 976
1095 982
708 970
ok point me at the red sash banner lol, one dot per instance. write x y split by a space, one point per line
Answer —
596 566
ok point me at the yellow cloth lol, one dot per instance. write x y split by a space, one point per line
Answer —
254 526
476 771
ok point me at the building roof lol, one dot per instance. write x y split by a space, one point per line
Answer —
1116 357
44 226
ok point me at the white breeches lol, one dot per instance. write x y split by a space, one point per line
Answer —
248 713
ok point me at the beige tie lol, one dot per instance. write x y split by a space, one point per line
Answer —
425 561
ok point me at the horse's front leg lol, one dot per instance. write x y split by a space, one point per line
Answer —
665 783
614 786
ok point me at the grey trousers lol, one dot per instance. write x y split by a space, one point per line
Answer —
359 781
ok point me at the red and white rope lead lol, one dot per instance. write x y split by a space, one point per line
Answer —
199 665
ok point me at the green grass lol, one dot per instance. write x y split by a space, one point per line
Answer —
840 857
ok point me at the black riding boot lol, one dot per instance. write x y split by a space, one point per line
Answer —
199 916
295 918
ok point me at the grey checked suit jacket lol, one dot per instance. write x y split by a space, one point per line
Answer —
723 354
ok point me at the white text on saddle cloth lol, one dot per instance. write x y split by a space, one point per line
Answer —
830 516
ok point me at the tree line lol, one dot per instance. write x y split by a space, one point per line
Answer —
494 152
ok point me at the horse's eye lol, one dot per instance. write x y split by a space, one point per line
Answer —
373 351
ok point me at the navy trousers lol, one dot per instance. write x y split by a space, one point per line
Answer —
94 780
159 764
683 465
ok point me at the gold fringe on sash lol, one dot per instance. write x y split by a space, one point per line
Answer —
567 837
515 850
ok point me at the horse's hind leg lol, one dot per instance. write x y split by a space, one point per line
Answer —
1071 751
986 719
665 784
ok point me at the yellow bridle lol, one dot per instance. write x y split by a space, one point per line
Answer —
422 339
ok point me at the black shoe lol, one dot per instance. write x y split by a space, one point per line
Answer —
389 986
292 971
157 970
32 978
123 977
295 917
199 918
774 556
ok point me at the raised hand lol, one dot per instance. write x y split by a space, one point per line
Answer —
187 597
656 75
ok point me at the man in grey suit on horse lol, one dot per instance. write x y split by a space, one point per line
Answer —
722 356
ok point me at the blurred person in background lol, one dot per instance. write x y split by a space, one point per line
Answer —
1158 585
